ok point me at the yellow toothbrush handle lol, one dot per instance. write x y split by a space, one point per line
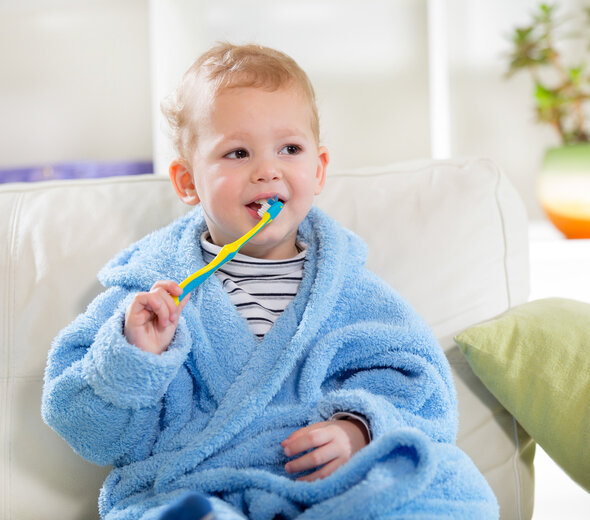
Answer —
244 238
227 252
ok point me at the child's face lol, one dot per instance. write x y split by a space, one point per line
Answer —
253 144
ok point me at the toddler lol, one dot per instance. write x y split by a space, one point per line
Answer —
293 383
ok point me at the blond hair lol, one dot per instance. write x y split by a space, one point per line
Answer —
231 66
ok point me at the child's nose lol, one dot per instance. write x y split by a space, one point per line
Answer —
266 170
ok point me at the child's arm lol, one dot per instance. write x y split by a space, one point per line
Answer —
103 395
332 443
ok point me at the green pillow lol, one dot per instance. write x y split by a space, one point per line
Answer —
535 359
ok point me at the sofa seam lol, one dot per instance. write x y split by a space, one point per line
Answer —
516 455
504 238
516 471
9 336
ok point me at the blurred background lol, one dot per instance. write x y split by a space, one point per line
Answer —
81 82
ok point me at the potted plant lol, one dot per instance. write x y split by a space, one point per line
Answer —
561 96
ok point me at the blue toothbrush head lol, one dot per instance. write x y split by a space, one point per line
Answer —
273 206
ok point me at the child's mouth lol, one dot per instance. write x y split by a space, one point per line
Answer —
254 206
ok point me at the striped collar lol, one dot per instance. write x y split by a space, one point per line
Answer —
244 265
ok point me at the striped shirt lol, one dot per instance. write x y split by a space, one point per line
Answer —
260 289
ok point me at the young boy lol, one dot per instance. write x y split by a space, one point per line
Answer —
294 382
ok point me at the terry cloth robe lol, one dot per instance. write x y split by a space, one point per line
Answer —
209 413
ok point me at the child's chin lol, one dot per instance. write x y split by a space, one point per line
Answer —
270 249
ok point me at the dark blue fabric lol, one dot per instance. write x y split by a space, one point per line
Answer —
192 506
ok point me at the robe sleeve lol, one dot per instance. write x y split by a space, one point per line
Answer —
386 366
103 395
347 416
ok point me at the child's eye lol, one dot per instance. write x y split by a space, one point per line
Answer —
290 149
237 154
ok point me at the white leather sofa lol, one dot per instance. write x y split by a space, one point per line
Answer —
451 236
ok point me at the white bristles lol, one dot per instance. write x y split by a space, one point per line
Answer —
263 209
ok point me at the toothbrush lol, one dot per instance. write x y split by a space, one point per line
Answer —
268 212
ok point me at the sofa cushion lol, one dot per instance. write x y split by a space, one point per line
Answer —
452 237
535 358
58 235
449 235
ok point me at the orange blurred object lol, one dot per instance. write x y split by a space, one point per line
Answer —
564 189
571 227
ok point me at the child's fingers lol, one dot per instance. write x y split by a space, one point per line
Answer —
182 305
147 305
313 459
306 439
156 302
173 289
169 286
303 431
140 310
166 289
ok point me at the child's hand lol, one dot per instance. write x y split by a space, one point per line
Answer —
152 317
333 443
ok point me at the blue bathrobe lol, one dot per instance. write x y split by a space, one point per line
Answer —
209 414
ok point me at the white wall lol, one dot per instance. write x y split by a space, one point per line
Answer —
490 114
74 81
82 79
366 59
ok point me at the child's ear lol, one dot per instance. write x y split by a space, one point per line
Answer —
320 176
183 182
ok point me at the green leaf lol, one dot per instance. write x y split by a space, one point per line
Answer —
575 74
545 98
521 35
545 13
